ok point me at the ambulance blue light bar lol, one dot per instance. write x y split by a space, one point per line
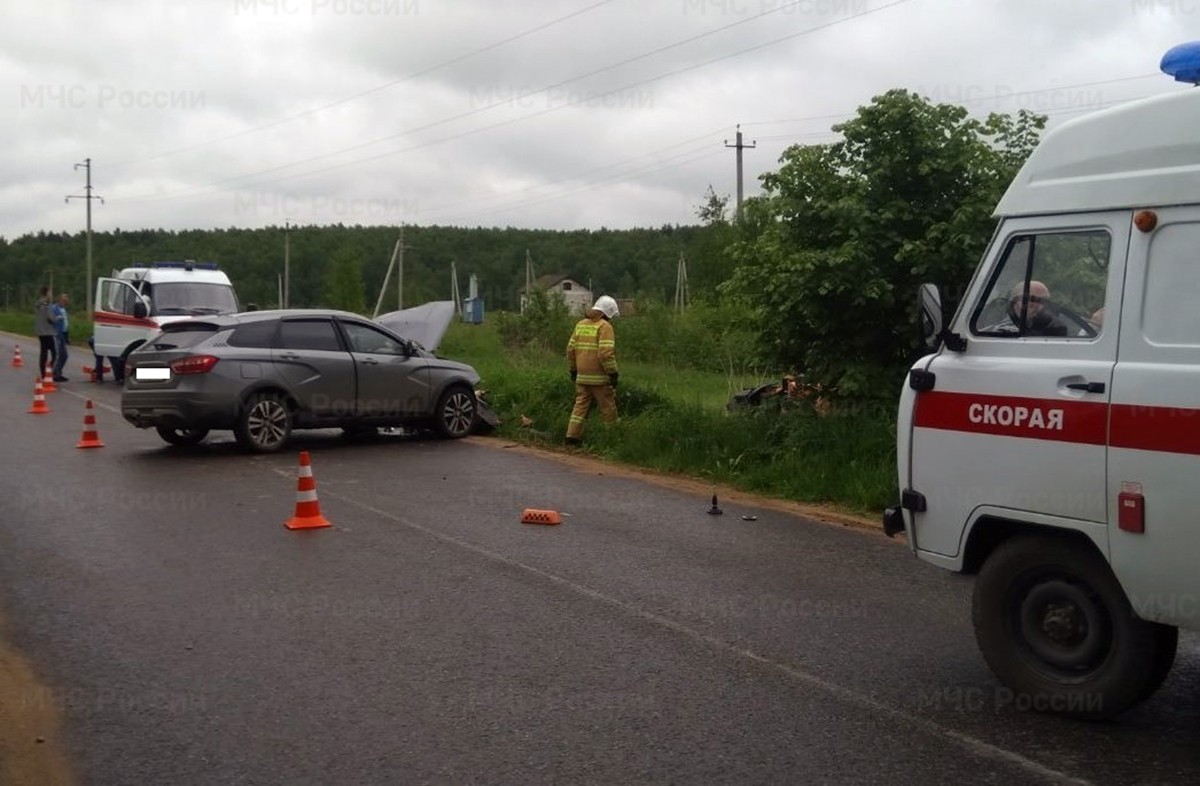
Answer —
185 265
1183 63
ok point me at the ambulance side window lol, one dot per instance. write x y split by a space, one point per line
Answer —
1047 285
1170 316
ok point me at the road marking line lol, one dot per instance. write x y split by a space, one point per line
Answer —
848 695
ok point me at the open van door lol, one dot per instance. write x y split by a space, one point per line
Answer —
117 319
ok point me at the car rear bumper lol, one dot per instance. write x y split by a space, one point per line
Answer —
147 409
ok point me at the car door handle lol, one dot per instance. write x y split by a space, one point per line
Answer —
1087 387
289 355
370 362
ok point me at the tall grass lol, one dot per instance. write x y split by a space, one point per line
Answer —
676 420
21 323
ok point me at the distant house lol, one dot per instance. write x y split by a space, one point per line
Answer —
577 297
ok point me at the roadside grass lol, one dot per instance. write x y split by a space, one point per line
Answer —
21 322
675 420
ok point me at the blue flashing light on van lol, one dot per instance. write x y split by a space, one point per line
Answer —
1183 63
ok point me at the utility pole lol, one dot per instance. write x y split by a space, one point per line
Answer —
400 271
528 281
454 293
87 196
287 262
681 284
740 147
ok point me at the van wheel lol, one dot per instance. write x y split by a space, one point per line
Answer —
1055 626
455 414
1168 640
264 423
182 436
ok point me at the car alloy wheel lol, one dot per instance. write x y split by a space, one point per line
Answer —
265 423
456 413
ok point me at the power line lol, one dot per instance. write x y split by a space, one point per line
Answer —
376 89
707 135
529 93
992 97
828 135
824 137
695 156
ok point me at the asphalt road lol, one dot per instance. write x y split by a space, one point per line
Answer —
185 637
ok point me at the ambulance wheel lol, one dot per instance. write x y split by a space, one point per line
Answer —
1056 628
182 436
1168 636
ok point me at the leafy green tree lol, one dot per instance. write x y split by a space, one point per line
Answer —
344 288
831 253
714 209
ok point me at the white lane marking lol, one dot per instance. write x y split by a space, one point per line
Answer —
848 695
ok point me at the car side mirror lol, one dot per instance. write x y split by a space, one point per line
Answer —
252 307
140 309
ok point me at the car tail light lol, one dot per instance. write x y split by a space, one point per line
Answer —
196 364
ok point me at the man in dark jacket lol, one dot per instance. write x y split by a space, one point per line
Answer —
44 329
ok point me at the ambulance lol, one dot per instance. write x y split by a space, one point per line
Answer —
133 304
1050 442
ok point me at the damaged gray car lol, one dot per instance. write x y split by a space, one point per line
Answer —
264 374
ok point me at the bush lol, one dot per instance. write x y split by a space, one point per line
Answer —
704 337
546 325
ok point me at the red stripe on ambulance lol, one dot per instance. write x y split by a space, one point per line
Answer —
1134 426
122 320
1014 416
1160 429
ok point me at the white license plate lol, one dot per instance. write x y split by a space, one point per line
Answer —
151 374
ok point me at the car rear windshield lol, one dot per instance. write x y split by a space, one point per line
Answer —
183 335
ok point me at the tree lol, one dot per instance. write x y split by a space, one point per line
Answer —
832 251
714 208
345 282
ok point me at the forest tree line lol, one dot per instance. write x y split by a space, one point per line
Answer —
632 263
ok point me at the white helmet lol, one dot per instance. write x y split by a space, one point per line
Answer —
606 306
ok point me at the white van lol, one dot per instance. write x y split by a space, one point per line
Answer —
136 302
1051 442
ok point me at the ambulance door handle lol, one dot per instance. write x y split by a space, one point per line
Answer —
1087 387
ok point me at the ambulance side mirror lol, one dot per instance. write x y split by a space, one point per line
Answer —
930 301
140 309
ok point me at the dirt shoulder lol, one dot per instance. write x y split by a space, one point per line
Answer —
702 489
31 745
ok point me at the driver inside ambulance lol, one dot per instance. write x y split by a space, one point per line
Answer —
1031 311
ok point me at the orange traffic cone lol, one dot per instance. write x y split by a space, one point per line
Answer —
39 401
308 510
91 437
17 362
48 385
535 516
93 374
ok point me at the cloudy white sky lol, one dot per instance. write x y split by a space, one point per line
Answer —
529 113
